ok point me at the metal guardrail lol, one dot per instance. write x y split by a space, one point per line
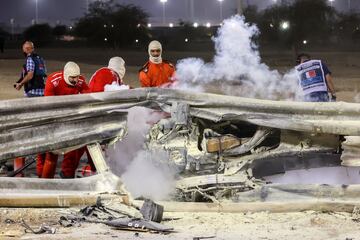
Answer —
33 125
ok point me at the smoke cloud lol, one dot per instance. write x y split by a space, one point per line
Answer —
144 173
150 175
120 155
237 66
325 175
115 87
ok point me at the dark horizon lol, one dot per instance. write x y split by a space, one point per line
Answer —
52 11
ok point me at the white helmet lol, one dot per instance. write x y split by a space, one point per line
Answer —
155 45
118 65
71 69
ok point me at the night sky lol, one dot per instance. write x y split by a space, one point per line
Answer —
66 11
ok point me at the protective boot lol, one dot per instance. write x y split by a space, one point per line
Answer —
49 166
40 160
71 162
87 171
90 161
19 163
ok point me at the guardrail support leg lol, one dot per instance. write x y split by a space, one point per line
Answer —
98 158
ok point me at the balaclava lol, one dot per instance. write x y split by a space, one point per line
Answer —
153 46
118 65
71 69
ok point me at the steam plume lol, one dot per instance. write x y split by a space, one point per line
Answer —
237 66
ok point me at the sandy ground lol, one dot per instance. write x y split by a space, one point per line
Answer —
264 225
345 66
303 225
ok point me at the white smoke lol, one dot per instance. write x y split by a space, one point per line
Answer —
139 121
115 87
324 175
143 173
237 66
150 176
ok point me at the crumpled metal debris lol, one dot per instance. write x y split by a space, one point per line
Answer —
9 221
308 133
44 228
152 211
199 238
138 224
118 219
70 222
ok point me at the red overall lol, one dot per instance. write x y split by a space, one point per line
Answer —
102 77
56 86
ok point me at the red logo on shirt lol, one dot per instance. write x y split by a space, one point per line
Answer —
311 74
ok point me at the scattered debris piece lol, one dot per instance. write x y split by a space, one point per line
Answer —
199 238
9 221
42 229
110 216
152 211
356 214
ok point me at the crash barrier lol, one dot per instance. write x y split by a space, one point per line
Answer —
35 125
30 126
61 123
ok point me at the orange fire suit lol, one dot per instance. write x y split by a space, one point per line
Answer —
155 75
56 86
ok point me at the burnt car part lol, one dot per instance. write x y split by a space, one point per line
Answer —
267 137
101 116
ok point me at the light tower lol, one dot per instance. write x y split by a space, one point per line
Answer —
221 10
164 14
192 10
239 7
36 12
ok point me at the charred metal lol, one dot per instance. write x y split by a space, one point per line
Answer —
221 146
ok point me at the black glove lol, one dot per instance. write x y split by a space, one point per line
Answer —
333 97
18 81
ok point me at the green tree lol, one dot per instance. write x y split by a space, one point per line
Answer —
118 25
40 34
348 26
270 24
307 20
252 15
59 30
313 20
3 32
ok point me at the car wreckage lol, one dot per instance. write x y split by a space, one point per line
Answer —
223 147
